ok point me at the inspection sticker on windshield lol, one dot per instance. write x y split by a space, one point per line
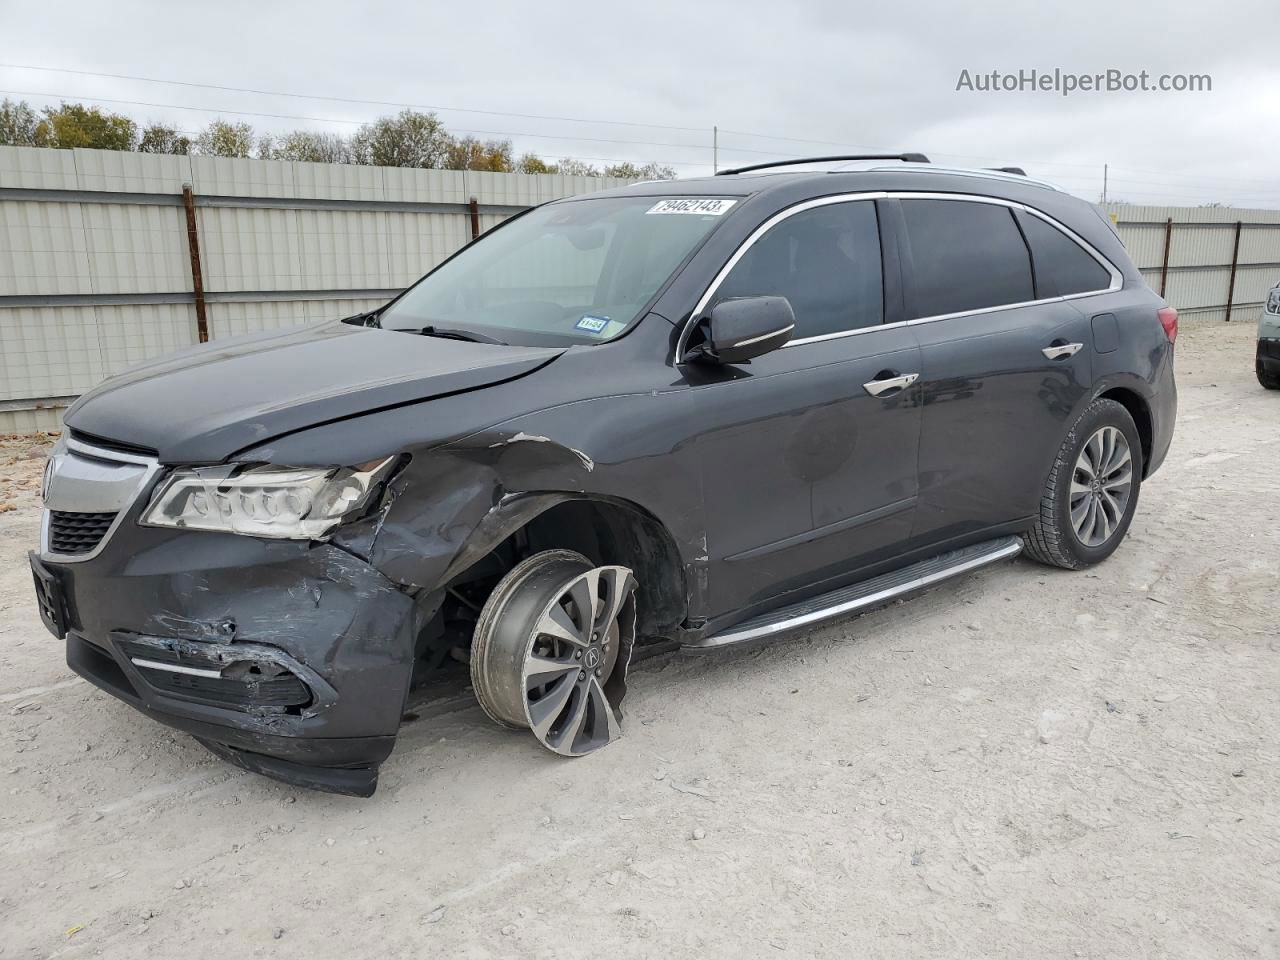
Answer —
592 324
706 206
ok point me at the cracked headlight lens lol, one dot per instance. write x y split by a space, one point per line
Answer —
285 503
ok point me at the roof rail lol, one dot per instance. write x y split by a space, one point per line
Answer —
1016 170
904 157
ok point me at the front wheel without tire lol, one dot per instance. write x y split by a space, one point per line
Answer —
551 650
1092 490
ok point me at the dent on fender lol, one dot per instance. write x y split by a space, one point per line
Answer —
448 508
451 506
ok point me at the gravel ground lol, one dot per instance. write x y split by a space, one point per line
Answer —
1024 763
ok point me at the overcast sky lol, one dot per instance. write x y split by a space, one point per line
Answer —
778 79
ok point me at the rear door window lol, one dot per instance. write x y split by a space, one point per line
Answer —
825 261
1062 266
967 255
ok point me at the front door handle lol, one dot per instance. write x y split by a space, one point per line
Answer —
1060 351
878 388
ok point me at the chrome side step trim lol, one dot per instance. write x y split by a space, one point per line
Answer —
868 593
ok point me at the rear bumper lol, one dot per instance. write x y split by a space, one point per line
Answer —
1164 413
289 659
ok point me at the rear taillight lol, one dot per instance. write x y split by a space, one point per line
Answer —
1169 320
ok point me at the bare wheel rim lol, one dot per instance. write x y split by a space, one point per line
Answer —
575 669
1101 485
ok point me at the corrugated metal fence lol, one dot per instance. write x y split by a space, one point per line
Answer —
96 264
96 256
1212 263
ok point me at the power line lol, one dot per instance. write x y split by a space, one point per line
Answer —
292 116
989 159
532 116
1186 182
373 103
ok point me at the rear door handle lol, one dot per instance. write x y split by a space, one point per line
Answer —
878 388
1060 351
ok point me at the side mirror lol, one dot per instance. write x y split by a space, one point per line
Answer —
738 330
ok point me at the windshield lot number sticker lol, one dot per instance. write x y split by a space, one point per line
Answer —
696 205
592 324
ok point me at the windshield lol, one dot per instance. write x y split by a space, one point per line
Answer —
573 272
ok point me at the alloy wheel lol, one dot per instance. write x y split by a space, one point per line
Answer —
1101 485
552 649
581 637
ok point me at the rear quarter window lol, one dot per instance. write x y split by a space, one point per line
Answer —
1062 266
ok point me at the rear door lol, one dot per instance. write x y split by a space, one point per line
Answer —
1005 360
807 471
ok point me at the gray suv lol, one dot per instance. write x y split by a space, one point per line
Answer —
708 412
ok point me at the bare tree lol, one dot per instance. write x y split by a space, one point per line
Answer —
648 171
576 168
313 146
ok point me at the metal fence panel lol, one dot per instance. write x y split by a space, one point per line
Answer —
49 352
43 249
132 249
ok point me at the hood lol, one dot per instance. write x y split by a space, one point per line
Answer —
203 405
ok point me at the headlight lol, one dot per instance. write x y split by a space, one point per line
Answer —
1273 301
283 503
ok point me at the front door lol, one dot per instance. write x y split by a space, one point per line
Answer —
808 453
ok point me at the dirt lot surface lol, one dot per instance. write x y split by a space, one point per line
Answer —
1024 763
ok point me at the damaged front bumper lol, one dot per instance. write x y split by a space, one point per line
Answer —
290 659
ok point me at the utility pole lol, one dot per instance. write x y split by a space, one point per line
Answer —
715 149
1104 183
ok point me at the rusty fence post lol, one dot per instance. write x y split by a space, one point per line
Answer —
1231 285
1168 242
197 279
474 207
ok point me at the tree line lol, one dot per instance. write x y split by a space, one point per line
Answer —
407 139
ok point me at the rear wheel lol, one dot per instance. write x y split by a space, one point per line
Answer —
1091 491
551 650
1268 378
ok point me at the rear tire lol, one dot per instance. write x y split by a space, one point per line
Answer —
1091 492
1270 381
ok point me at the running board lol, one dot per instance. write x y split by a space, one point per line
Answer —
860 596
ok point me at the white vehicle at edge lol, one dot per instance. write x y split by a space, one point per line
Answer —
1268 361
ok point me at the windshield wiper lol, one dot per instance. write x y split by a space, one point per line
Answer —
453 333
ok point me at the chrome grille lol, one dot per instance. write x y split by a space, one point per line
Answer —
88 491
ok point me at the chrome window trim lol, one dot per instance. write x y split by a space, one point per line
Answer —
151 467
1116 277
746 245
102 453
764 336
